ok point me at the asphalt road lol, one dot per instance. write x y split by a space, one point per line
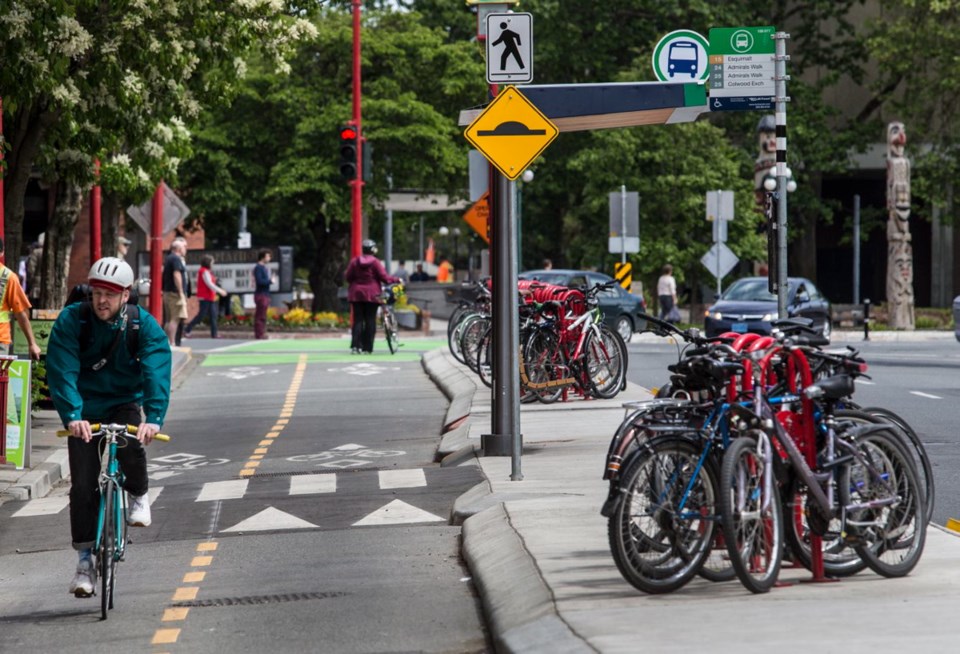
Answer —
919 380
296 509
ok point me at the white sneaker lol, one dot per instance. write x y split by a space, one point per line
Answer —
85 579
139 514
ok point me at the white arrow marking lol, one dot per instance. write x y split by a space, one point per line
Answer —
932 397
271 519
397 513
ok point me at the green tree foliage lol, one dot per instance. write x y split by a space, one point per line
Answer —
85 80
275 148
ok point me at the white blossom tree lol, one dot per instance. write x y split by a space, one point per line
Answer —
119 82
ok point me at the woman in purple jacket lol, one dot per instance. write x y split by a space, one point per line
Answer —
365 274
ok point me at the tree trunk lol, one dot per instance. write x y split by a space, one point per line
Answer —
29 125
326 274
59 243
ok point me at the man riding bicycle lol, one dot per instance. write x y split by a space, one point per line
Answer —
109 363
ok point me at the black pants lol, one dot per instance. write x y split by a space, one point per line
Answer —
85 471
364 325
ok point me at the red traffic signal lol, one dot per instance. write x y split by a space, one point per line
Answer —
348 152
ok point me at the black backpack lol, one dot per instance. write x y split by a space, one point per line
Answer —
81 293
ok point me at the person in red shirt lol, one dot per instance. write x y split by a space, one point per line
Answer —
207 293
365 274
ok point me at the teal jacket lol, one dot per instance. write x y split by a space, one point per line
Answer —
80 393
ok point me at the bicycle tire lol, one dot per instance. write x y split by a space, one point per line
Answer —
606 363
754 535
390 330
657 549
921 460
889 539
105 555
453 337
485 358
470 336
543 362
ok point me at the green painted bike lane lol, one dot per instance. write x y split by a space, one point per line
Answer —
318 350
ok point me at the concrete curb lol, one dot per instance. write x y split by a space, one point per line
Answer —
521 612
520 609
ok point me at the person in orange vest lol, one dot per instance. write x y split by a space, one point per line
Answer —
444 271
14 304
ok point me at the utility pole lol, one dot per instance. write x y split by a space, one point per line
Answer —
356 184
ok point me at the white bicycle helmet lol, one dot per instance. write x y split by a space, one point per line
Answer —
111 273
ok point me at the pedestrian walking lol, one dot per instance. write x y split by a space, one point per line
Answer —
174 280
261 293
208 293
123 246
667 294
419 275
366 275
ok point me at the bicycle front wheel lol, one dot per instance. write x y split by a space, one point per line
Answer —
390 329
606 359
108 544
751 515
662 529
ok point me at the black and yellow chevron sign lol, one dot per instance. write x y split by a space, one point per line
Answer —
624 274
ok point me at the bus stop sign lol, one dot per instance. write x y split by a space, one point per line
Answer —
681 56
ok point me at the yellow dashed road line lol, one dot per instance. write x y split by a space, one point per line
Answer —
204 558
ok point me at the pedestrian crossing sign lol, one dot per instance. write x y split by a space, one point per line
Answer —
511 132
509 48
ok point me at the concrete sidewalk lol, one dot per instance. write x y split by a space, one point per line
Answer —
539 555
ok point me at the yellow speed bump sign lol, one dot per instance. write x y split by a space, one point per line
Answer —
511 132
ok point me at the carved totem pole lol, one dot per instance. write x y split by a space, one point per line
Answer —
899 251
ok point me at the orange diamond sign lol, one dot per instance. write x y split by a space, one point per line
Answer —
511 132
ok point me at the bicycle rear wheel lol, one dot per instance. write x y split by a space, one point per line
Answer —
390 329
108 542
890 538
751 516
913 445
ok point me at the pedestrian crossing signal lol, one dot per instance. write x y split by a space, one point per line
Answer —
348 152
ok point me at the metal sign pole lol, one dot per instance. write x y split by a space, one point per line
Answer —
780 77
623 223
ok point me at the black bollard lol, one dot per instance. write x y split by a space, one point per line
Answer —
866 319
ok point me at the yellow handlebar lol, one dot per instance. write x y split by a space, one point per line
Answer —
95 427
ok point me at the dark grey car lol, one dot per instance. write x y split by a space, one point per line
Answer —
747 306
621 310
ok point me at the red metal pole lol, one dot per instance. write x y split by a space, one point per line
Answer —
156 253
2 232
95 215
356 185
